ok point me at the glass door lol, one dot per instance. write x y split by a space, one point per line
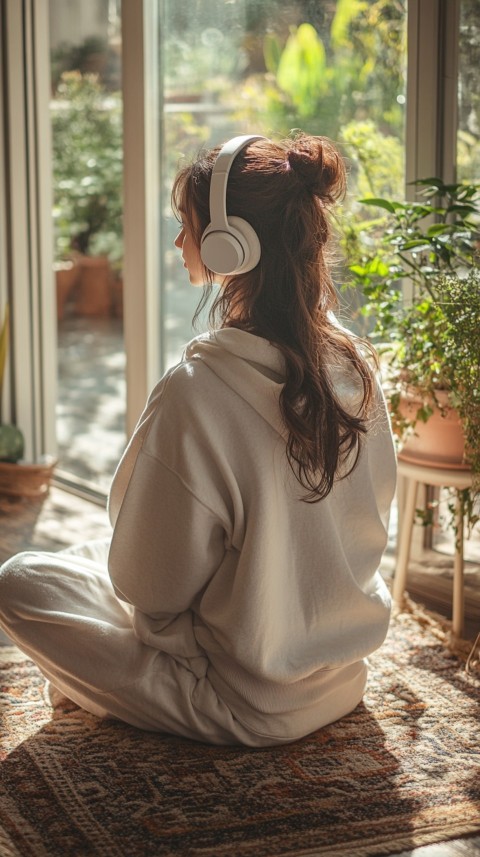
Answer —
220 68
86 122
468 131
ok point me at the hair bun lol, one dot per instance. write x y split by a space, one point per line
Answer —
319 166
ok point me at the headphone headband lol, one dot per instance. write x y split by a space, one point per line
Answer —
229 245
219 180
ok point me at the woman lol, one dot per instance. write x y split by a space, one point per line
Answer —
250 508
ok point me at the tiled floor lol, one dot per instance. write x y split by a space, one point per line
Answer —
90 414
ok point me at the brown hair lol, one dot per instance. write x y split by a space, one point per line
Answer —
285 190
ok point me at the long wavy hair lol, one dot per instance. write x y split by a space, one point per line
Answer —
286 191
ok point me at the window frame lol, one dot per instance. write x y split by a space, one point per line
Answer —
26 275
432 72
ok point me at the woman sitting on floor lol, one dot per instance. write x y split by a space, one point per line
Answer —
239 595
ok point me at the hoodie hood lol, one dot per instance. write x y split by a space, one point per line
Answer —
249 365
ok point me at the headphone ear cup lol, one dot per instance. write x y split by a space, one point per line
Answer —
235 251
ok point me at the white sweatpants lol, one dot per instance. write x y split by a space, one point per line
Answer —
61 610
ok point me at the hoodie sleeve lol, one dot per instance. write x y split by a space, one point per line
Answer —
166 544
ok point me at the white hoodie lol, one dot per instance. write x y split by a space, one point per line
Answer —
220 557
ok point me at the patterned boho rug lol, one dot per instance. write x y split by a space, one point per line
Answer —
402 770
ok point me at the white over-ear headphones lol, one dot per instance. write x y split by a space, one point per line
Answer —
229 245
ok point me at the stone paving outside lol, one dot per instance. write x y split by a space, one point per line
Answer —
90 414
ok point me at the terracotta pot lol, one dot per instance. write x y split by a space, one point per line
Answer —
26 480
440 441
66 279
94 294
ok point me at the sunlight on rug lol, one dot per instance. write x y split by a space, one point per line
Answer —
402 770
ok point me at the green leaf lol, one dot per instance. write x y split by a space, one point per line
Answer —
381 203
415 244
438 228
377 266
463 209
12 443
434 181
357 269
424 413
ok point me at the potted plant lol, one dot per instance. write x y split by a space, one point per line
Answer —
417 270
11 438
18 478
87 179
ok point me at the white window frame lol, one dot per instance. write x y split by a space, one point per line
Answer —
26 272
432 71
141 265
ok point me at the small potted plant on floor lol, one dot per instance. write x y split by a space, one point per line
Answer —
417 270
18 479
11 438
